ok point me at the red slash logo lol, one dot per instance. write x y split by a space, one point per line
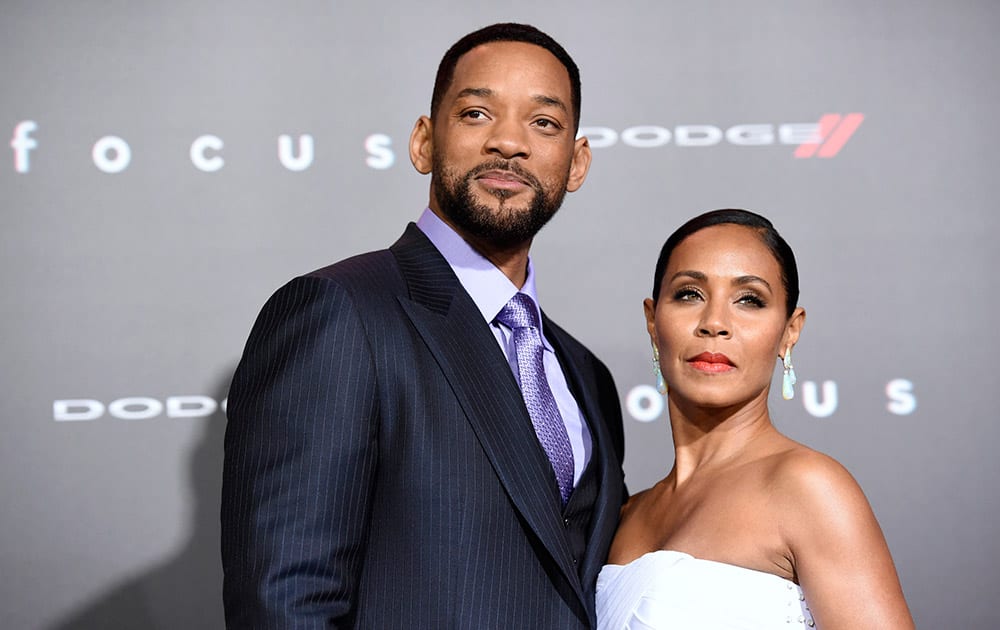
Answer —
833 133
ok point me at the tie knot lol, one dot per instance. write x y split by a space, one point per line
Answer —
519 312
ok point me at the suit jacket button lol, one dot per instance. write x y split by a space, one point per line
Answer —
566 522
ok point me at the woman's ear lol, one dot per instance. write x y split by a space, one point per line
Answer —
649 309
792 330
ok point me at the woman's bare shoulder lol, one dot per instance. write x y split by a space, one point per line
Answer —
804 471
835 543
637 500
818 494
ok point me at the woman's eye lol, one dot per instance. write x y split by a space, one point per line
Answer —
686 295
751 299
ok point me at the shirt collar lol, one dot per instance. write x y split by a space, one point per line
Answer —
489 288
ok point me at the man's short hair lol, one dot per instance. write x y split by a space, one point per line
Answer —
505 32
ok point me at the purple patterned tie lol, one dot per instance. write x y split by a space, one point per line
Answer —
522 316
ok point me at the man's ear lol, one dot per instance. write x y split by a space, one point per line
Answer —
422 145
580 165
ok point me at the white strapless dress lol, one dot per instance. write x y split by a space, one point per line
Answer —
671 590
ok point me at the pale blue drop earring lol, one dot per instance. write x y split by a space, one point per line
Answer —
788 376
661 385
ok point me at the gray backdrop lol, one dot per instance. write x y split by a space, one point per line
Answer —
127 295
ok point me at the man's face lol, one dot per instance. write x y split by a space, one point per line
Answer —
502 147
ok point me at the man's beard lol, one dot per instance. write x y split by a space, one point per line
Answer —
506 226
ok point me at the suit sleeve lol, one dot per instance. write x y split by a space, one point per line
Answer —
300 459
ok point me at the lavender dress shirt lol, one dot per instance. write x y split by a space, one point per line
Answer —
490 289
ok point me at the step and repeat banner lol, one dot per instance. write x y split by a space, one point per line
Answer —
169 165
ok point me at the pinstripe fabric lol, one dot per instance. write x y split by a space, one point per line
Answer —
381 469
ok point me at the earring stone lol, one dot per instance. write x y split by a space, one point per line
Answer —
661 385
788 376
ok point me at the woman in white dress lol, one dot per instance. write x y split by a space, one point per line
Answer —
749 529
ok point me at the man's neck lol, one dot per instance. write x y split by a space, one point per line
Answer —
512 261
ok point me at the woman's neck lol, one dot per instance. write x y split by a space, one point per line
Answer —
709 438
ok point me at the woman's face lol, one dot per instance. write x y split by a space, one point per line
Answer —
720 322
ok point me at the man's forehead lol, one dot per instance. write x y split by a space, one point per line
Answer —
507 53
497 60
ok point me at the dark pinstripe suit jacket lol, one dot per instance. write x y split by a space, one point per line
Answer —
381 470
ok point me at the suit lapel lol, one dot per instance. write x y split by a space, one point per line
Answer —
470 358
604 520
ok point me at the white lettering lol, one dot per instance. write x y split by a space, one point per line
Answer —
599 137
799 133
644 403
697 135
198 157
288 159
380 154
122 154
750 135
137 408
646 136
23 143
190 406
812 403
76 409
902 402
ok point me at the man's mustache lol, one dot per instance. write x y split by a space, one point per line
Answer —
505 165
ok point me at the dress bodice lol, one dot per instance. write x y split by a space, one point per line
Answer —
671 590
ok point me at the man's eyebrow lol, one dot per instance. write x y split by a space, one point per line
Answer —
480 92
541 99
551 101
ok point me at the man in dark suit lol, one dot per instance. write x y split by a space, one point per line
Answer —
411 443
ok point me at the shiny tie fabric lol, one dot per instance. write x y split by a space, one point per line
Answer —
522 317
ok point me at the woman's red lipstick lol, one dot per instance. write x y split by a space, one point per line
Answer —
712 362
